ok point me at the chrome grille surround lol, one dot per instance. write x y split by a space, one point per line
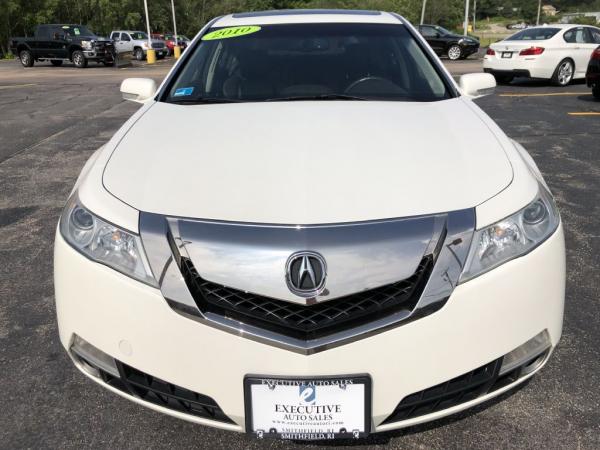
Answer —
374 253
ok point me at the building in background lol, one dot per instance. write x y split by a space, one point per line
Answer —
570 17
549 10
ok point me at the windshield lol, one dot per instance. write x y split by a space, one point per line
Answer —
139 36
77 30
443 30
533 34
307 61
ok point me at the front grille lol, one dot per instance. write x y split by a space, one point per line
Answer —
307 321
158 45
159 392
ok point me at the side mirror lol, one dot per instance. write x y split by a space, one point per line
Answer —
116 39
477 85
138 89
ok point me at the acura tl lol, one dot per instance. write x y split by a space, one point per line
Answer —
321 251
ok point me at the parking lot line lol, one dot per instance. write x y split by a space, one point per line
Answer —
585 113
11 86
547 94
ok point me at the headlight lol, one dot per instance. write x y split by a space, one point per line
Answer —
512 237
104 242
87 45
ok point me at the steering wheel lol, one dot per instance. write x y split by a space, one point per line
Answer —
389 87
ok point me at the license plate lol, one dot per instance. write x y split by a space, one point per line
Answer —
507 54
309 408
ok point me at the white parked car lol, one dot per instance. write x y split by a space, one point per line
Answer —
136 42
318 253
556 52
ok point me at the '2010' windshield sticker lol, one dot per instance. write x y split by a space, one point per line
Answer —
183 91
230 32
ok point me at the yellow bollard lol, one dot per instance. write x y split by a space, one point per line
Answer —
177 51
150 56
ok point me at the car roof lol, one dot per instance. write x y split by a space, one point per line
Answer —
306 16
558 25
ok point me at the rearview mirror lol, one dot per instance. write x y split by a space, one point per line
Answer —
138 89
477 85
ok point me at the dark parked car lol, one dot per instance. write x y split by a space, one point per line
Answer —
592 76
444 42
61 42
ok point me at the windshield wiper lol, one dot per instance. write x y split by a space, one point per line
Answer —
205 100
315 97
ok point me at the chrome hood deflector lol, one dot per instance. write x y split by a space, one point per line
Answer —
360 256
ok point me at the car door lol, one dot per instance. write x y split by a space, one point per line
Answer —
432 36
576 48
592 40
41 44
127 43
59 43
116 38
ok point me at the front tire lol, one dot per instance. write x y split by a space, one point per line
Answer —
596 92
26 58
454 52
79 59
563 74
56 62
108 64
138 54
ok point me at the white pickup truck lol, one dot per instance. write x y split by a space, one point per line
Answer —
137 43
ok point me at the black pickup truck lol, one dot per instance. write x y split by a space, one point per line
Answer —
61 42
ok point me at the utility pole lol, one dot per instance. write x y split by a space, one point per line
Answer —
466 25
150 55
537 22
474 13
423 12
176 48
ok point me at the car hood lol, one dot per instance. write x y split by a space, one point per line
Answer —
307 162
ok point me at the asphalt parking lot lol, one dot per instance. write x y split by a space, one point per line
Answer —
52 119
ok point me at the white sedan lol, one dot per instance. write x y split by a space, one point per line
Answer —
319 252
556 52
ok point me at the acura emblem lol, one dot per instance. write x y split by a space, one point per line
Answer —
305 273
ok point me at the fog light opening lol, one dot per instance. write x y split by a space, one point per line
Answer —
528 356
93 359
533 365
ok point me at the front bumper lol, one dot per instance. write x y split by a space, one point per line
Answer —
158 51
469 49
100 55
484 319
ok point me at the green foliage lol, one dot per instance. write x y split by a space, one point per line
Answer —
582 20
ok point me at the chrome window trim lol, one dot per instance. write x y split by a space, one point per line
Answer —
449 246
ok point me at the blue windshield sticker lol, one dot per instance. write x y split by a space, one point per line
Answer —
183 91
